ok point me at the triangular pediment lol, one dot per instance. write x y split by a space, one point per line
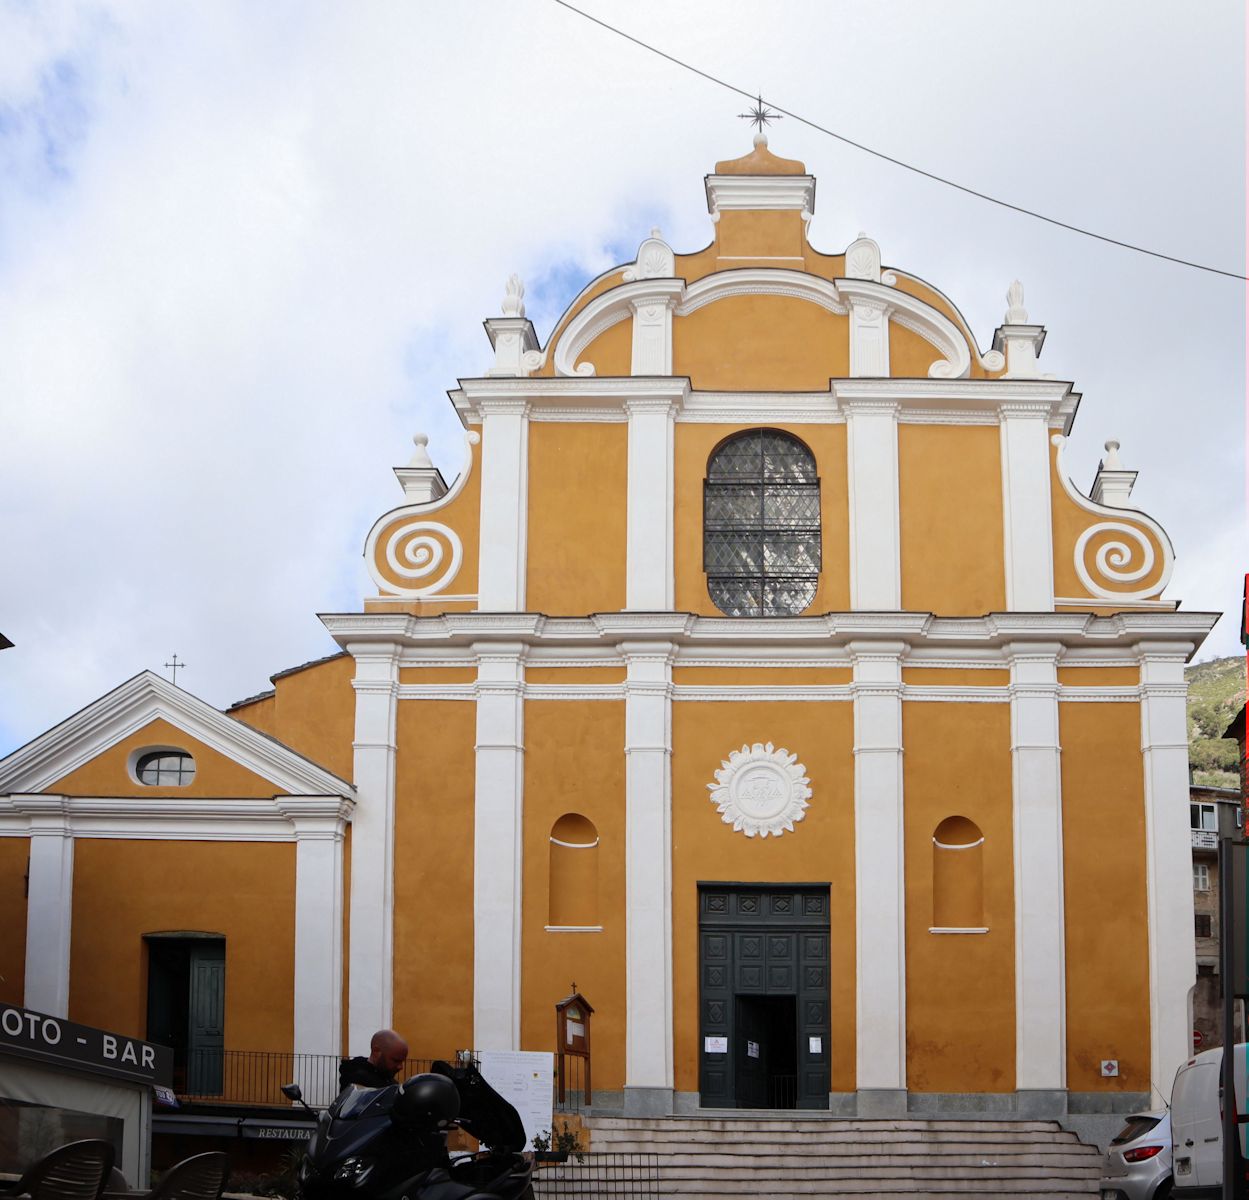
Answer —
85 752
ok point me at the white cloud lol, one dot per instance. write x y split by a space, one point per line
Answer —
244 250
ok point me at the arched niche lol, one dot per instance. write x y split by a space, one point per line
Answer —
573 893
958 877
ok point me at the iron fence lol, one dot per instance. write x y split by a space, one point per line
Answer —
598 1175
255 1077
572 1083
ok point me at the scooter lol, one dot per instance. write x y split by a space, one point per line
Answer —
390 1143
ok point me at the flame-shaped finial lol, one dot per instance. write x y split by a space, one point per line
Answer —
1016 314
514 297
1111 461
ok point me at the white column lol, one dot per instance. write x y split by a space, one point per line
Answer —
869 338
504 506
872 460
648 877
880 897
49 903
1168 858
497 845
649 577
370 989
652 330
319 823
1027 522
1040 969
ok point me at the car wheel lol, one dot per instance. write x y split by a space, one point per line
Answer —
1164 1191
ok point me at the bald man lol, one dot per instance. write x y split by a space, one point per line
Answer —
387 1053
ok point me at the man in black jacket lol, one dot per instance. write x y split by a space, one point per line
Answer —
387 1053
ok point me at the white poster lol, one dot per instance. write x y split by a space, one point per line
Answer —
716 1045
525 1078
752 1049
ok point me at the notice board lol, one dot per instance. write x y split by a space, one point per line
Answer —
525 1079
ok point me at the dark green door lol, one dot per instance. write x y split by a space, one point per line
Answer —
763 998
206 1018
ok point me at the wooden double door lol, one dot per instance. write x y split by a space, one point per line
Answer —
763 995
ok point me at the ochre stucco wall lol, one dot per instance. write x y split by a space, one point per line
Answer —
578 482
215 775
316 713
14 855
1107 949
433 954
819 850
950 508
575 763
611 353
761 343
693 446
960 988
242 890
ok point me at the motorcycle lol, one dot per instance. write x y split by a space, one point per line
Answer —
390 1143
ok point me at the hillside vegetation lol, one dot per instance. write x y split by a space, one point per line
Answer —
1216 691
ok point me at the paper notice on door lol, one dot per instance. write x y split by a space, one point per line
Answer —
815 1045
752 1049
715 1045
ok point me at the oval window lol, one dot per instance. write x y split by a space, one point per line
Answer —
165 768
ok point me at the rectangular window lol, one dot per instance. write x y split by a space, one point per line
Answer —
1203 817
1201 877
1202 924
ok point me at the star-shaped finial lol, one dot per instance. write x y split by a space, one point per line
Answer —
760 115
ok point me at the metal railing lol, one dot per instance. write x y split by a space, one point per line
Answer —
596 1175
255 1077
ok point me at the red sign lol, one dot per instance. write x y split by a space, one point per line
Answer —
1197 1039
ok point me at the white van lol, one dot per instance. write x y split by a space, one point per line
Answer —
1197 1123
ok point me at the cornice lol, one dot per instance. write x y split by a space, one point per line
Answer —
1119 639
726 193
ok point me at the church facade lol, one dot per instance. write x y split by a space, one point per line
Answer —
761 670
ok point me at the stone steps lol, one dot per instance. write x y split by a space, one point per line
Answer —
788 1156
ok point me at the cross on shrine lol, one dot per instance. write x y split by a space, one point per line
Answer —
175 664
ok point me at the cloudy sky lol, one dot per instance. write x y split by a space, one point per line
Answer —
245 249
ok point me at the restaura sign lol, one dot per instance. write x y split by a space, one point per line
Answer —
62 1043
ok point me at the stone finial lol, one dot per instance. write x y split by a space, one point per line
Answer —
1111 461
761 140
1016 314
514 297
657 233
1112 485
420 456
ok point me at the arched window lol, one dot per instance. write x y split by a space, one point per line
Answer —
165 768
761 525
958 877
573 898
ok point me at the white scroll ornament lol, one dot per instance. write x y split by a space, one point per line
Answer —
422 557
760 790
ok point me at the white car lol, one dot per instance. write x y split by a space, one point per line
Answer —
1197 1124
1138 1164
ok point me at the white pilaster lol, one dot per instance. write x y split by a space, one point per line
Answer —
370 988
49 904
1168 859
497 845
652 333
648 875
1026 517
1040 970
649 578
504 506
872 460
319 823
869 338
880 898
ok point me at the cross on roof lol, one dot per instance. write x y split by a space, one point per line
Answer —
175 664
760 115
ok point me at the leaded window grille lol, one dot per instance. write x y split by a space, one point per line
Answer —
761 525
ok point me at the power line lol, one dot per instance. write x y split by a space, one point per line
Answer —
897 162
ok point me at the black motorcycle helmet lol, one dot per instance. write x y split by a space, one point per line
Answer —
432 1098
